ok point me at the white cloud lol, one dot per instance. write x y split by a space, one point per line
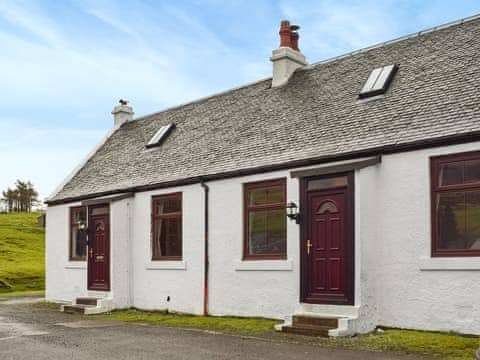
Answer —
330 28
29 17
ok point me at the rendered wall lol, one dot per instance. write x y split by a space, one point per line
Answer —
412 289
397 283
181 281
268 288
65 279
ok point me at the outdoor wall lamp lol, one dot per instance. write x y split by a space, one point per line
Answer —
82 226
292 212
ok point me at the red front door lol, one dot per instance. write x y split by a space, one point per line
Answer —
328 246
99 249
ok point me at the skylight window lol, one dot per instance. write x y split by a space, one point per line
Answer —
378 81
160 135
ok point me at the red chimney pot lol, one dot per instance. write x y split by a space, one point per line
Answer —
285 34
294 40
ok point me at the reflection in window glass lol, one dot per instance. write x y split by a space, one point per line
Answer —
327 183
472 171
168 205
456 205
458 219
270 195
167 238
451 173
266 232
265 219
167 227
78 238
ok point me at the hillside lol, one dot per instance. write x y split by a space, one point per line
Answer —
22 253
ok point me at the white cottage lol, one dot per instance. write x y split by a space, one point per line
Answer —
341 195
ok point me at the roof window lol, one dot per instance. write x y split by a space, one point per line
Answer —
378 81
160 135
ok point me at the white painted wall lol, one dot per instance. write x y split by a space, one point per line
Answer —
408 293
267 288
397 283
182 281
120 254
64 279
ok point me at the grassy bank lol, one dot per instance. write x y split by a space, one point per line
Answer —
430 344
22 253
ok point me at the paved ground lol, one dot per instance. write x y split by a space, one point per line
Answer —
29 332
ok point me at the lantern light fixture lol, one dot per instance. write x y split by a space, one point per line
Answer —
292 212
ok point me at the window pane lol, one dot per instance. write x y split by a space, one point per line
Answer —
100 210
266 232
167 240
327 183
472 235
472 171
451 221
79 215
451 173
168 205
79 243
267 195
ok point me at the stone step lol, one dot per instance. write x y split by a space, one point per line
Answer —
299 320
76 309
308 330
87 301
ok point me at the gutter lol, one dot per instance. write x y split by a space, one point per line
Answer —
381 150
206 190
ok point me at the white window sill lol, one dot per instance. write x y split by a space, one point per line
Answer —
166 265
450 264
264 265
76 265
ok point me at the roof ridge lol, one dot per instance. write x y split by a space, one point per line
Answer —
310 66
396 40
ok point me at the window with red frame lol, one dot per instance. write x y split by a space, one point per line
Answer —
78 237
455 197
167 227
265 220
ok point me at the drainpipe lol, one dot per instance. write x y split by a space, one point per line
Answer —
206 263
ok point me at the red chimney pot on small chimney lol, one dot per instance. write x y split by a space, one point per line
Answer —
285 34
294 40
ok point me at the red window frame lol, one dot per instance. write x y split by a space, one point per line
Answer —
435 188
174 215
73 224
247 187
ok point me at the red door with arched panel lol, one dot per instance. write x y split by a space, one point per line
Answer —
327 254
99 248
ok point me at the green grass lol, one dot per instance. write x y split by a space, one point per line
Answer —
431 344
230 325
22 253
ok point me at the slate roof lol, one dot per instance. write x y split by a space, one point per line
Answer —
317 115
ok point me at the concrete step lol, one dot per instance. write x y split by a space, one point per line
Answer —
89 306
76 309
299 320
309 330
87 301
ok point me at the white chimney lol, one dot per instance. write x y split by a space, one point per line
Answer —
287 58
122 113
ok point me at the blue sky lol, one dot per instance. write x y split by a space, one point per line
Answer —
65 64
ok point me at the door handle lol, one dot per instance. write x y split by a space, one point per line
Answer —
309 245
91 252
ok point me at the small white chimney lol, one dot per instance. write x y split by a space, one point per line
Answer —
122 113
287 58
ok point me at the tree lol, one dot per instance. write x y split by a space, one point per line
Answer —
22 198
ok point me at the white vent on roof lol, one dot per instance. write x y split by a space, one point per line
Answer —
378 81
160 135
